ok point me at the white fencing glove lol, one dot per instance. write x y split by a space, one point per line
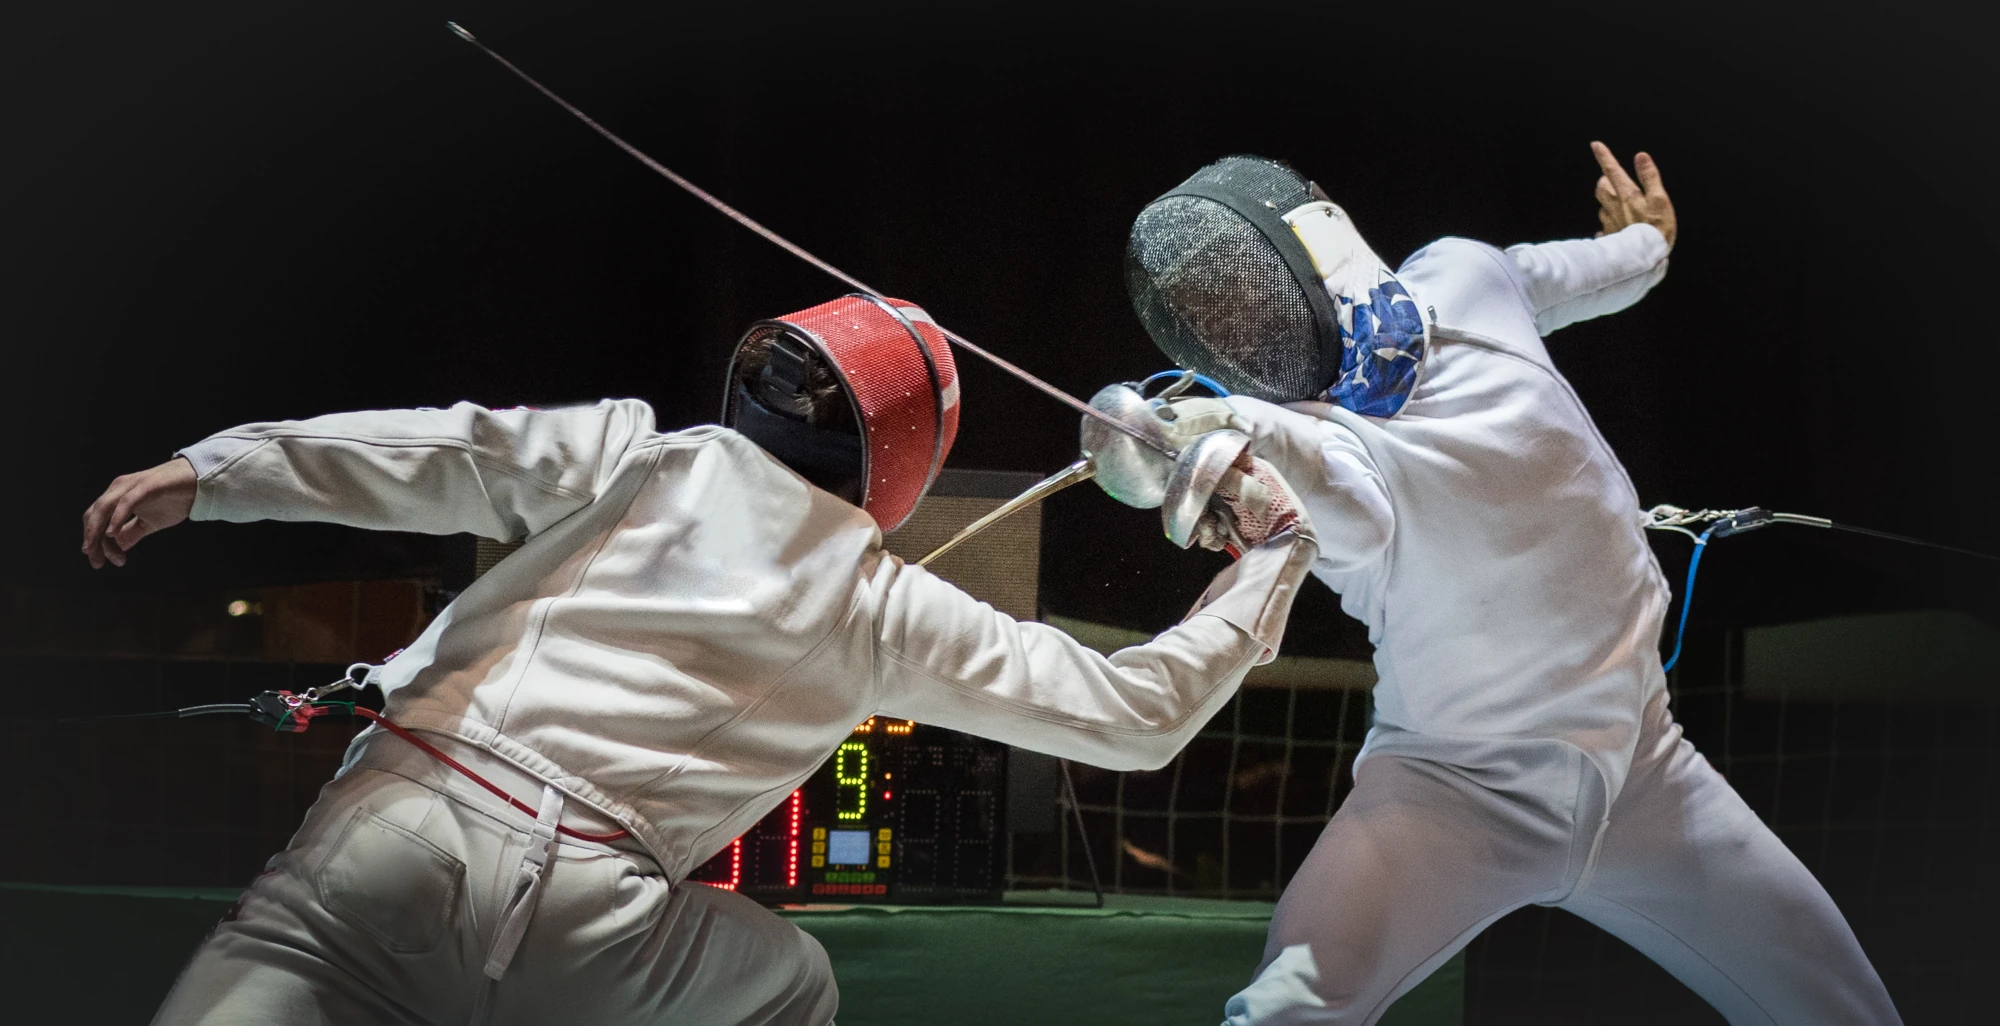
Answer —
1222 498
1184 420
1252 505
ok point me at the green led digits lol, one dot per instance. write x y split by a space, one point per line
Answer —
858 781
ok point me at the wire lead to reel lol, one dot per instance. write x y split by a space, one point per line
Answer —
1721 523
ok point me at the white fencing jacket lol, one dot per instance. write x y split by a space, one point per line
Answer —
1487 535
691 628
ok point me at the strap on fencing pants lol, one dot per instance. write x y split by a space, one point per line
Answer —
527 884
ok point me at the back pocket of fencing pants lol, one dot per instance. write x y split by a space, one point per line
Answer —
391 883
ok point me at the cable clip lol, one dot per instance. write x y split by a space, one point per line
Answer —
1739 521
290 713
285 712
357 677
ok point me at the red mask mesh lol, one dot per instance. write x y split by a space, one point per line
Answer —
907 423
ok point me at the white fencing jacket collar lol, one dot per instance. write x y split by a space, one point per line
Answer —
1383 337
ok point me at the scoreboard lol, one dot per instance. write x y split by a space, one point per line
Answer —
900 812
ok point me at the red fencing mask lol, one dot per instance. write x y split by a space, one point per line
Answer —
879 445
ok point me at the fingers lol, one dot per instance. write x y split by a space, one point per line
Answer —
1605 161
110 551
97 519
128 534
120 524
1606 197
1649 174
1209 532
134 506
1621 182
91 530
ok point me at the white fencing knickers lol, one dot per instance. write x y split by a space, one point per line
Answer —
411 895
1423 855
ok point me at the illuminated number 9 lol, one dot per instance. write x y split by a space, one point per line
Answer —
858 781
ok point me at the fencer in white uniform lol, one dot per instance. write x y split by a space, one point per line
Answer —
1475 520
689 630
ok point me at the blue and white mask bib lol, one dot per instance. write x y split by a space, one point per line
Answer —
1383 336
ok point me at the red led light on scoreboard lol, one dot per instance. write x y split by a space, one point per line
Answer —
792 864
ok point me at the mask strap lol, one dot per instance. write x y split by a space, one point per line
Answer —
937 384
781 386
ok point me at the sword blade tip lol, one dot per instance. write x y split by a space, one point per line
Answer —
462 33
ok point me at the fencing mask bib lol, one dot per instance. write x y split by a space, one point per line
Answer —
1246 273
881 449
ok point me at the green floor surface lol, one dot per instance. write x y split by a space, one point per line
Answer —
88 955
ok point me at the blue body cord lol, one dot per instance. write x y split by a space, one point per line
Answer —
1687 598
1200 379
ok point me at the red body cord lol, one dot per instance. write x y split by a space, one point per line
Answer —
431 750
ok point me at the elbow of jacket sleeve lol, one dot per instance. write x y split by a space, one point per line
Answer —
1161 732
1155 752
1146 739
1135 754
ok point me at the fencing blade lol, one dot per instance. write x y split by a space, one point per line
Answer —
1075 473
793 248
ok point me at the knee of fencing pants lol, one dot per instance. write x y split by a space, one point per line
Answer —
382 877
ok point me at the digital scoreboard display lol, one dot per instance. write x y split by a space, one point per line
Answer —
900 813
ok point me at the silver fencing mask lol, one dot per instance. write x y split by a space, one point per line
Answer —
1247 274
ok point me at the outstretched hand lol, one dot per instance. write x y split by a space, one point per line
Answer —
135 506
1622 202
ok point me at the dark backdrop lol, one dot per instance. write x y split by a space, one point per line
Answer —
226 212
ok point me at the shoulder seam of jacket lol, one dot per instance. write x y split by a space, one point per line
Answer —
1513 275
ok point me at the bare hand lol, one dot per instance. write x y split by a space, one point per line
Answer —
1622 202
135 506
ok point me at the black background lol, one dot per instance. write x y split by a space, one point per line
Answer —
232 212
229 212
